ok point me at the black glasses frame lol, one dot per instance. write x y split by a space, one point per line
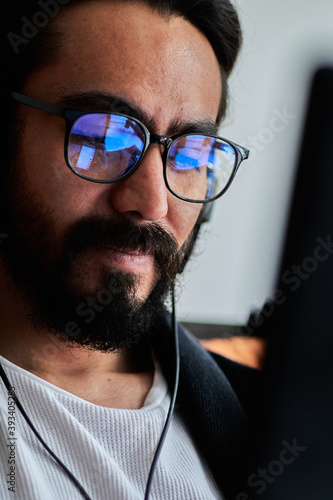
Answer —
71 115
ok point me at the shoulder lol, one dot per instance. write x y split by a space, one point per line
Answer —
206 376
246 382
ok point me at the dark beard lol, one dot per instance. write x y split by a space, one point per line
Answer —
47 273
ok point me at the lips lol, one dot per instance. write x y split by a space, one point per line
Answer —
127 258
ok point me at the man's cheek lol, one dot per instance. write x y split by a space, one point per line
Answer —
189 214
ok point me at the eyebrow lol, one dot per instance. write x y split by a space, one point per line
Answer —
99 101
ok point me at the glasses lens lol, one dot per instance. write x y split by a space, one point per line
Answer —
200 167
104 146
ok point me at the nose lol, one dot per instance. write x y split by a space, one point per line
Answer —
144 192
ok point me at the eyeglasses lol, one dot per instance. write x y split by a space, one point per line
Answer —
108 147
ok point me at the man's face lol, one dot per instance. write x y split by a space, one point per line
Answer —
116 57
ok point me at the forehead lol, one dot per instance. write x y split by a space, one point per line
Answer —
165 66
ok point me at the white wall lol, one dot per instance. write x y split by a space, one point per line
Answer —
283 41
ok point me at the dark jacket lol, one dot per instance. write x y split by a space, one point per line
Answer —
218 400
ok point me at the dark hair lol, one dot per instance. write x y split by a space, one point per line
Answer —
30 37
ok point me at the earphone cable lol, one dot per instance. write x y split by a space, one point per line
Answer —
173 399
38 436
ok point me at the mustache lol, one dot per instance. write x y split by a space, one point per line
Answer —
125 235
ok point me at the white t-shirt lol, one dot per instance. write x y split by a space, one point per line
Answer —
108 450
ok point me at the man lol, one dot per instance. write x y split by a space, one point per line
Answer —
96 238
